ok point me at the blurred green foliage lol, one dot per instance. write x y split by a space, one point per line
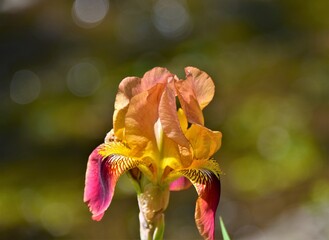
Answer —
61 63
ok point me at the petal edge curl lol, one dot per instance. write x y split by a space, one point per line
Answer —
105 166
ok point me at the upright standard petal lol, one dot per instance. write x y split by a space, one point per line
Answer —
129 87
105 165
202 84
155 76
169 118
141 116
195 93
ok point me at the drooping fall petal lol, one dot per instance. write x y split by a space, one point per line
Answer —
105 165
206 206
204 175
179 184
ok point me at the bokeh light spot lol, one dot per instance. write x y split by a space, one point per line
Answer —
24 87
89 13
83 79
171 18
15 5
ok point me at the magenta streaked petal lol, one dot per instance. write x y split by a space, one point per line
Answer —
206 207
105 165
179 184
99 185
207 184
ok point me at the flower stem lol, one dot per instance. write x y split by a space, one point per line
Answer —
152 202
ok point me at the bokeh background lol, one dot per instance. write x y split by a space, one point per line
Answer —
61 62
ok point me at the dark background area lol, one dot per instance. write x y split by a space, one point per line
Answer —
60 65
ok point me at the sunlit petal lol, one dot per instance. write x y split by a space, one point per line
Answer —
182 120
155 76
204 141
141 116
105 165
202 84
195 93
189 102
169 118
128 87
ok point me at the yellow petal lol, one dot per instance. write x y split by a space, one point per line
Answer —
129 87
182 120
204 141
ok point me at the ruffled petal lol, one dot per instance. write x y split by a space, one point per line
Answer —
205 177
132 86
203 86
129 87
189 102
155 76
204 141
105 165
195 93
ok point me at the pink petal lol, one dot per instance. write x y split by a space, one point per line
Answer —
99 185
206 207
155 76
179 184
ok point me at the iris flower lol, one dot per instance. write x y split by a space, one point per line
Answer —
160 141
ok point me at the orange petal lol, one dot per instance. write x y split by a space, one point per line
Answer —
130 87
204 141
203 86
169 118
155 76
189 102
141 116
195 93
